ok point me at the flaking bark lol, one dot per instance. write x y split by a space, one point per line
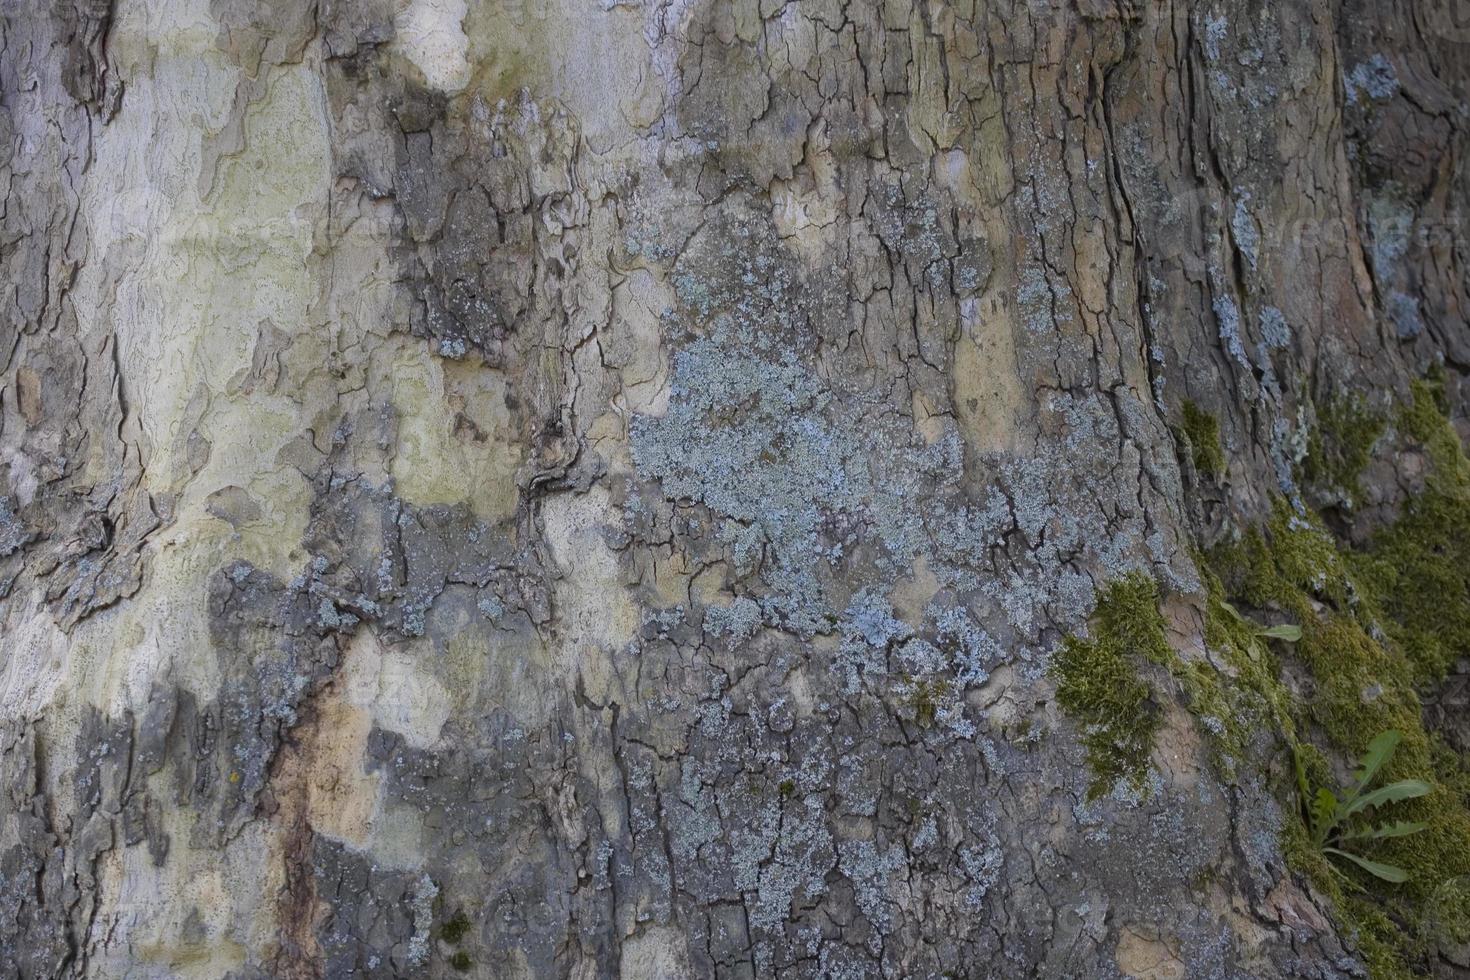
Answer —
590 489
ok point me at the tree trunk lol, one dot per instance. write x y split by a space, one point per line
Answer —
685 488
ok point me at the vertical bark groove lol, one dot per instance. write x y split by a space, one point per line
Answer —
676 488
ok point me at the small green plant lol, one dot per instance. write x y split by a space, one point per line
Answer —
1339 823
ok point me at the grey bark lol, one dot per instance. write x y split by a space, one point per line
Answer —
613 474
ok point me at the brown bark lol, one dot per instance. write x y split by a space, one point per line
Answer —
589 489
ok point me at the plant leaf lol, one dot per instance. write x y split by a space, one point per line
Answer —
1404 789
1286 632
1379 870
1402 828
1380 750
1233 611
1346 878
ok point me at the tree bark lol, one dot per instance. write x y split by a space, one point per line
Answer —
674 488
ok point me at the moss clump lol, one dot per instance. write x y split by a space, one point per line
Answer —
1234 692
1339 448
1360 681
453 932
925 701
1364 924
1098 682
1249 697
1416 572
455 929
1203 432
1447 917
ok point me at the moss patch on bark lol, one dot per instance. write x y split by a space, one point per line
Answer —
1245 694
1339 448
1416 572
1379 624
1098 682
1203 432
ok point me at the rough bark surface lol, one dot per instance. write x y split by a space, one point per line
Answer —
582 488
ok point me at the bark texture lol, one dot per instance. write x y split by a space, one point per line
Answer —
673 488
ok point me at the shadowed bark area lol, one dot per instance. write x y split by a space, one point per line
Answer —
740 488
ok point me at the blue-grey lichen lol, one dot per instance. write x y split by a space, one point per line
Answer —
1391 222
491 606
796 470
1403 310
812 480
972 650
1038 297
423 919
737 621
795 858
1274 329
13 531
983 867
1216 29
1227 317
331 618
1247 237
1375 78
752 434
912 229
870 869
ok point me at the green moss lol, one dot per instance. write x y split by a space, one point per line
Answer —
1203 432
1339 447
461 961
1359 686
1098 682
1233 696
455 929
1447 917
1250 696
788 787
1373 931
1364 924
925 701
1376 625
1417 570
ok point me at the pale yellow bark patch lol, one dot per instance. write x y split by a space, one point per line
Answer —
453 440
596 611
431 34
1142 955
988 396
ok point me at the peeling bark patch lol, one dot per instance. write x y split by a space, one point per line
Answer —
622 468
